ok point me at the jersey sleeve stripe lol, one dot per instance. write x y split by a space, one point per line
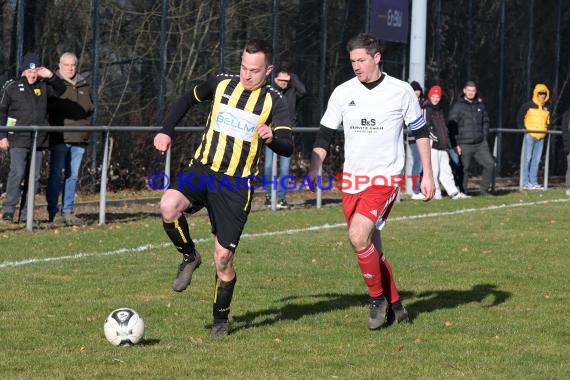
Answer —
196 95
417 124
282 127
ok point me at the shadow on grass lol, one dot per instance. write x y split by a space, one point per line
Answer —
149 342
88 219
297 307
429 301
119 217
324 202
296 310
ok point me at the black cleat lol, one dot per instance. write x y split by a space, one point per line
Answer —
378 313
185 271
220 329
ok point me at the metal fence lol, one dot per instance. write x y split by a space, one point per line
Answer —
107 130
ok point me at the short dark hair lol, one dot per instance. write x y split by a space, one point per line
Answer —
364 41
257 45
282 69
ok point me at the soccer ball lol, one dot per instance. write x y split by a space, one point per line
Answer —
124 327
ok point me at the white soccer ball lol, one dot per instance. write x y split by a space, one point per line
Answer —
124 327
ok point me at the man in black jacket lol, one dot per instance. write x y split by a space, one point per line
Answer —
23 102
468 125
292 89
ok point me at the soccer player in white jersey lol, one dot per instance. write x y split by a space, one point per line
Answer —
373 109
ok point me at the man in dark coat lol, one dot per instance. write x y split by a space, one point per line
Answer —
468 124
292 89
23 102
73 108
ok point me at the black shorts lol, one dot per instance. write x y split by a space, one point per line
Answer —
227 199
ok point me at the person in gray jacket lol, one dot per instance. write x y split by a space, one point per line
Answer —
468 124
73 108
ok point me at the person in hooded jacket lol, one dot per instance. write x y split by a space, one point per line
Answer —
534 116
23 102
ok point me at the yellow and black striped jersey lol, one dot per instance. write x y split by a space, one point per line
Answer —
230 144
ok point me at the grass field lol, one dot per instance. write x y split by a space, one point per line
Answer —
485 280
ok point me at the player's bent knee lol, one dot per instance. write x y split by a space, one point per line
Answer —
358 240
223 259
172 204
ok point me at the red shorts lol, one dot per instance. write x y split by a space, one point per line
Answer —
375 203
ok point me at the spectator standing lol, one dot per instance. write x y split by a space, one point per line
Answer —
23 102
456 168
566 139
416 159
468 128
292 89
246 114
72 108
435 121
534 116
373 108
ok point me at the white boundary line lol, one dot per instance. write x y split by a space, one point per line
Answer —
148 247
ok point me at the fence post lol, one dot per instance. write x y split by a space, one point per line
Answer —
319 190
495 150
167 162
31 186
547 162
104 176
521 165
274 175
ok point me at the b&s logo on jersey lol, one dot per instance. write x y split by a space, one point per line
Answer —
365 125
236 123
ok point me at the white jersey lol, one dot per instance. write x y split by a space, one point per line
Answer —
373 122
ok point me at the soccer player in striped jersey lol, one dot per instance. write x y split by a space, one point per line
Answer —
246 115
373 109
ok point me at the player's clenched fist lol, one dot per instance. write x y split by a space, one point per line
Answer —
265 133
162 142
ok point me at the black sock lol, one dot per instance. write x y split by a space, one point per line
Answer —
223 299
179 234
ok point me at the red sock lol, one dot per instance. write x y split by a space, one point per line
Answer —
388 283
369 262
